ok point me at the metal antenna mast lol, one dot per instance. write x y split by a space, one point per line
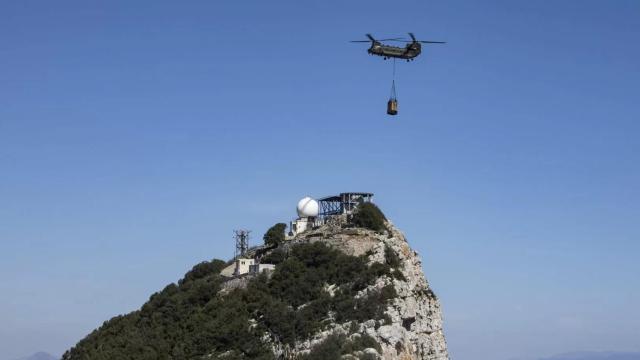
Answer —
242 242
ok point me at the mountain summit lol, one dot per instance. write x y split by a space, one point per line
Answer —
591 355
40 356
350 288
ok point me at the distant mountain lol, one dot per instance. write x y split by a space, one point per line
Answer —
40 356
586 355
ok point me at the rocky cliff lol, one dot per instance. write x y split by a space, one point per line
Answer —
412 327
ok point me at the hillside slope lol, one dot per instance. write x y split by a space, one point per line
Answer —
336 292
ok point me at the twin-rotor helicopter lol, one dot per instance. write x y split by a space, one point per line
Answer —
409 52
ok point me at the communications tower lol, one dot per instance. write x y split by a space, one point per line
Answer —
242 242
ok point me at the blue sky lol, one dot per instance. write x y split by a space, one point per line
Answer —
135 136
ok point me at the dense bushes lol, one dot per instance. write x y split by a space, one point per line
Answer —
190 320
204 269
184 321
337 345
275 235
274 257
369 216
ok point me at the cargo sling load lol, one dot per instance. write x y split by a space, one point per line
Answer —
392 104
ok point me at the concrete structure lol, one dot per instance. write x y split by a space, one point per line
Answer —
243 266
229 271
300 225
260 268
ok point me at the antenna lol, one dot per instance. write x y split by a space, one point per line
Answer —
242 242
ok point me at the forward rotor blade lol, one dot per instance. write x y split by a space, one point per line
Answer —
374 40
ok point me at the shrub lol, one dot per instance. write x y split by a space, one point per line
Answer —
203 269
334 346
369 216
361 342
274 257
391 258
275 235
330 348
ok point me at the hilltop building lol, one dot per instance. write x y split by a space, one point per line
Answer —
242 266
245 261
313 213
251 266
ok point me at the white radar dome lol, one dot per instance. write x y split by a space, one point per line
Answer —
307 207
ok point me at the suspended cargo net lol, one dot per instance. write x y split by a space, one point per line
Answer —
392 104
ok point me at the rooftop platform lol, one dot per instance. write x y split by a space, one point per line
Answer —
344 203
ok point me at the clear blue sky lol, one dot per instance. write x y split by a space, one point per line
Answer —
135 136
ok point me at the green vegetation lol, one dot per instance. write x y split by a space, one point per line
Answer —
369 216
391 258
182 321
203 270
190 320
275 235
337 345
274 257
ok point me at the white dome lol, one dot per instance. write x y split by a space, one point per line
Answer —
307 207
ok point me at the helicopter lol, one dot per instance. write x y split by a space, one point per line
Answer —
409 52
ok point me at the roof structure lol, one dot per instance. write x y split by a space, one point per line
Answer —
344 203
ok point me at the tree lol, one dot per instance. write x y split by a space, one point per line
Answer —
369 216
275 235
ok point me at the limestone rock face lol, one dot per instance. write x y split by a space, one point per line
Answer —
413 325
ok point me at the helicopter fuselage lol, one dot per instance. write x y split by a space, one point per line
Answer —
408 52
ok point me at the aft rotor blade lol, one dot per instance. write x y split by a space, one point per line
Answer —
423 41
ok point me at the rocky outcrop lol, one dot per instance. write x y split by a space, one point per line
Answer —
412 327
